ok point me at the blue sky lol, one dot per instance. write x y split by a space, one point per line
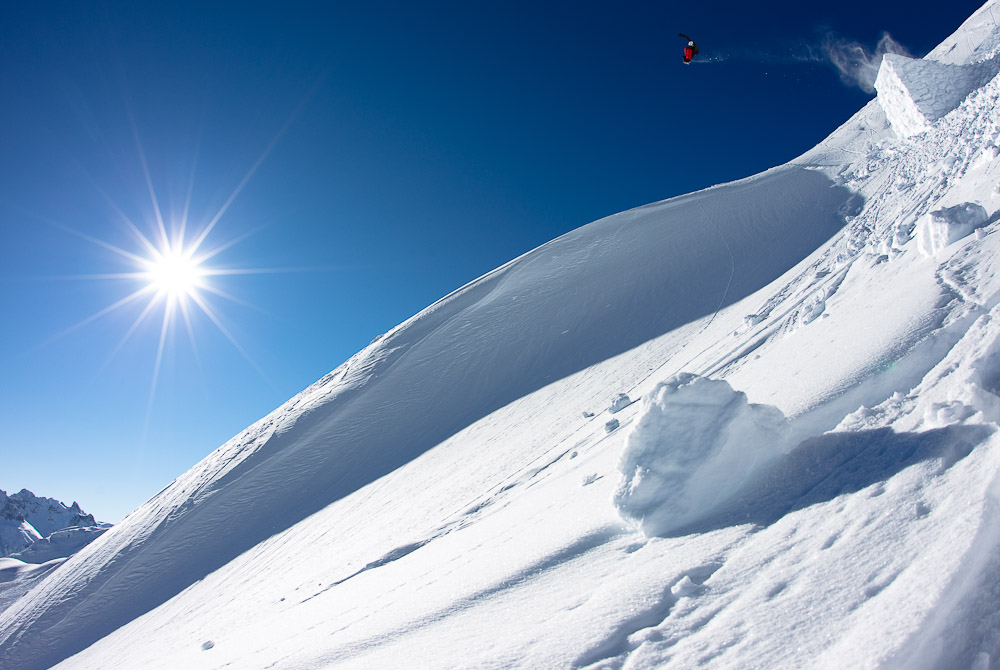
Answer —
366 159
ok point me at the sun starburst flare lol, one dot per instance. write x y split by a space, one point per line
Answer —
169 271
174 273
172 278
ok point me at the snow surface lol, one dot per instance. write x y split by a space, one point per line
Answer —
17 577
60 543
809 475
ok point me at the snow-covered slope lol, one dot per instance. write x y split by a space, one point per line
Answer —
17 578
807 479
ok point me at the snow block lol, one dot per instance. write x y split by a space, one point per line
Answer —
695 446
914 93
621 402
940 228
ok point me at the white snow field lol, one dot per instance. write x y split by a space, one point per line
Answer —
17 577
804 473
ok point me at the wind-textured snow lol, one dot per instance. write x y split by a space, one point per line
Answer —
804 472
17 577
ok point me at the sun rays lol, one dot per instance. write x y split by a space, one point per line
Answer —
169 283
165 255
166 281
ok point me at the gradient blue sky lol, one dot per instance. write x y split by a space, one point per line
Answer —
406 148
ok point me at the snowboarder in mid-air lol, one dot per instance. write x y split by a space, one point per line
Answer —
690 51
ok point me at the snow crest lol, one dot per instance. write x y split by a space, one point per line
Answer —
697 444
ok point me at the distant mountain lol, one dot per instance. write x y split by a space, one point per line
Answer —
34 529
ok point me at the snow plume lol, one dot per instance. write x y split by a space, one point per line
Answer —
856 64
778 53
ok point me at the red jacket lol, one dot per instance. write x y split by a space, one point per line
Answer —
688 54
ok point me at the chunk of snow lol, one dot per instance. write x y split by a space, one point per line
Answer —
941 414
611 426
940 228
914 93
684 587
694 447
902 234
987 155
815 309
621 402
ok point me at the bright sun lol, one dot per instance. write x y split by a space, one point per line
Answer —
171 272
174 273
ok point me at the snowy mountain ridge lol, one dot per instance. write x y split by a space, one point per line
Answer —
27 519
810 476
36 535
